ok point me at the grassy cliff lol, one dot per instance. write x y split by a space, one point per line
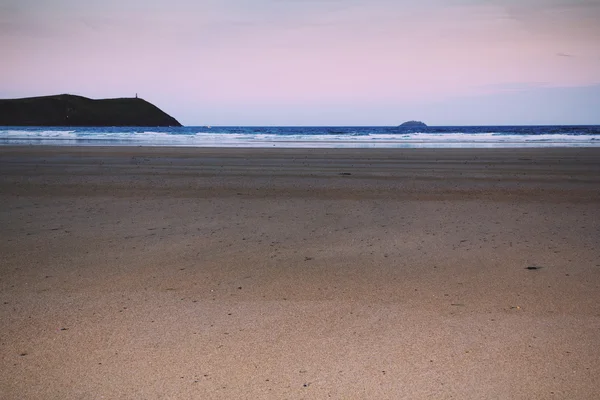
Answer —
69 110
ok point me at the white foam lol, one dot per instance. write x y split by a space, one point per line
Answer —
203 138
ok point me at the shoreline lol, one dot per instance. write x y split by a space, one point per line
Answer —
313 137
320 145
559 174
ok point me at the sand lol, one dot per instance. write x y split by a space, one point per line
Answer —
153 273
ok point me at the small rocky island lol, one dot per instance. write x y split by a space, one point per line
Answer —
413 125
70 110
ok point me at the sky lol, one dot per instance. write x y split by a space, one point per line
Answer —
314 62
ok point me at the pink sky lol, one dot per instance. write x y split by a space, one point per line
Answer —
311 62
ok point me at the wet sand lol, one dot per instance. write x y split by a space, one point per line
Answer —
148 273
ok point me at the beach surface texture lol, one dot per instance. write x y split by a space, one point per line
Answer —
199 273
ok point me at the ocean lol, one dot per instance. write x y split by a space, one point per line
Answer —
309 137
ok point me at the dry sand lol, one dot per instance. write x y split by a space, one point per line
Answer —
152 273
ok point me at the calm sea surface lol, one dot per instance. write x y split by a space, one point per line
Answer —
309 137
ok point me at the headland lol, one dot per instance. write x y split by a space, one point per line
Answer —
70 110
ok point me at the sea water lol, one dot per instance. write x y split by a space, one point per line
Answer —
309 137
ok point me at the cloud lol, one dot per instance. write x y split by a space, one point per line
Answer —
510 87
532 11
564 55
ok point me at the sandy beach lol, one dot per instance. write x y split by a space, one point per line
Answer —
190 273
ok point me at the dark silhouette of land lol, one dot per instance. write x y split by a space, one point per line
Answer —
413 124
70 110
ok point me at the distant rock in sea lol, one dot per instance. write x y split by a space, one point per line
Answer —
69 110
413 124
